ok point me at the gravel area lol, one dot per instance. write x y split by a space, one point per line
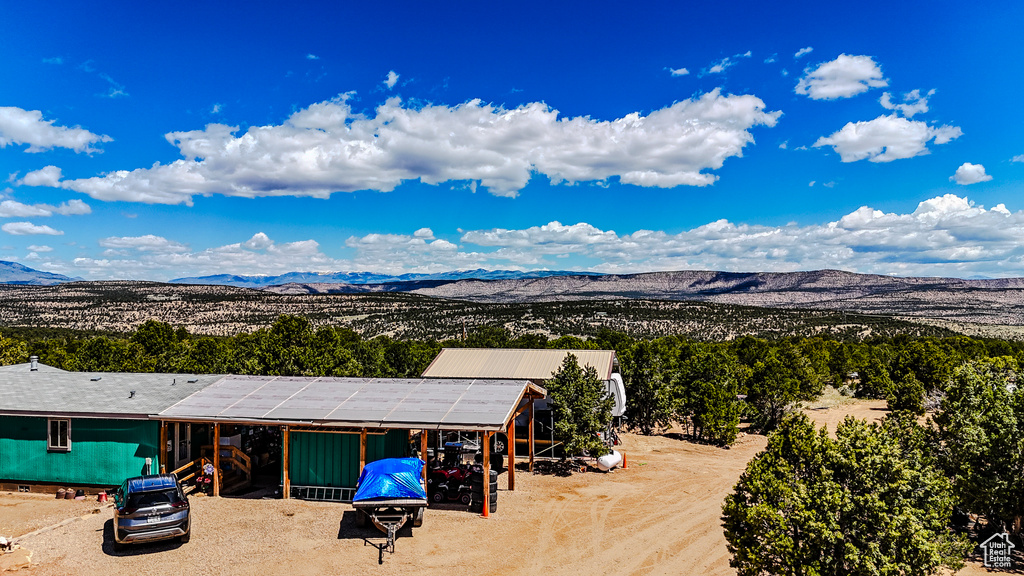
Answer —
21 513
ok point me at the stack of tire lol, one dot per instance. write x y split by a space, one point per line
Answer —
477 487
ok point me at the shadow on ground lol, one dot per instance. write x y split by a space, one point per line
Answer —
134 549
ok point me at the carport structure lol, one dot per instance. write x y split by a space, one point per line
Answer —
321 418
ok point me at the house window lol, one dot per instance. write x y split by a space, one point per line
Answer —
59 437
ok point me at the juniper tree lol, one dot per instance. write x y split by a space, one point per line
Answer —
871 501
707 385
779 381
981 429
582 407
649 402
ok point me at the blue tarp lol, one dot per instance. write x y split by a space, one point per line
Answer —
391 478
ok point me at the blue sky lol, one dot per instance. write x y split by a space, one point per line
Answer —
148 141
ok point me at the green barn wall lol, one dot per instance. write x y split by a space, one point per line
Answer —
103 452
328 459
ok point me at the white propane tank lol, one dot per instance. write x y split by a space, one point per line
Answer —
609 461
618 391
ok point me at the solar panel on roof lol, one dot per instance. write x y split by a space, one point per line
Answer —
356 401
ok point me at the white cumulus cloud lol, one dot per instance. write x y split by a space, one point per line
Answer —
40 248
28 228
886 138
678 71
844 77
47 176
70 208
391 80
725 63
327 148
913 102
146 243
803 52
156 257
18 126
946 235
259 241
969 173
15 209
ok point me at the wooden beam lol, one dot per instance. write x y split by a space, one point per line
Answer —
326 430
286 481
487 475
424 437
162 453
216 459
512 454
522 409
531 446
362 450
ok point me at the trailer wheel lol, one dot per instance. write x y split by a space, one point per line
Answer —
417 519
500 444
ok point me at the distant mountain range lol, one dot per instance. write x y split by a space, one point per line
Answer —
14 273
988 301
995 301
364 278
693 301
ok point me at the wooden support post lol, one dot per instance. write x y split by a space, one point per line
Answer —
512 454
531 446
216 459
286 481
424 437
487 475
163 448
362 450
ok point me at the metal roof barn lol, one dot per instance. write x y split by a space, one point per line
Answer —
533 365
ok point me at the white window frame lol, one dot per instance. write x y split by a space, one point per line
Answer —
56 444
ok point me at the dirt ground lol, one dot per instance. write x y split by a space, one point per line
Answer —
870 410
659 516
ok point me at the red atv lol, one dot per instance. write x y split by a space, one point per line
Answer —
448 479
449 484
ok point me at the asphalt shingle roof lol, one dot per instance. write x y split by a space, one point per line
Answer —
53 392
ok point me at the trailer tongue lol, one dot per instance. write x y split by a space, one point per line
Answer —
390 493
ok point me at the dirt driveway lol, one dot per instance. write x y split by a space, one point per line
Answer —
661 516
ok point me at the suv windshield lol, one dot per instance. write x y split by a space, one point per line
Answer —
154 498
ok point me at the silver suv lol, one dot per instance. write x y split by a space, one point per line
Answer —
149 508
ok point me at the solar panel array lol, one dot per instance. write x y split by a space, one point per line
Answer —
363 402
